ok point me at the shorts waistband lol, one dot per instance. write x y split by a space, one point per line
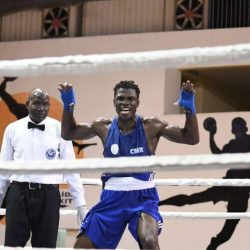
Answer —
127 184
33 185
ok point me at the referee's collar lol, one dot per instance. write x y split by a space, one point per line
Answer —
40 123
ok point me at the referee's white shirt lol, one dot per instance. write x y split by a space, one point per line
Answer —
21 143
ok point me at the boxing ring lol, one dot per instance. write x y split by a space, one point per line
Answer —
152 163
179 58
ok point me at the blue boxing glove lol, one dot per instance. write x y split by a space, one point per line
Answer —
68 98
186 100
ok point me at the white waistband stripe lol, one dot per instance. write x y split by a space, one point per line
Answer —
127 184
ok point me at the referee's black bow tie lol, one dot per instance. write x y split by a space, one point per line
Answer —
34 125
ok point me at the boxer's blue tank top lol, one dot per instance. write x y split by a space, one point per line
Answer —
133 144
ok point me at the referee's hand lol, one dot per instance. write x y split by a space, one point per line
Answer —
81 213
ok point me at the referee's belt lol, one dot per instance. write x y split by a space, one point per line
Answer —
33 185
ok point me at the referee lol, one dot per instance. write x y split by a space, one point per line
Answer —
33 202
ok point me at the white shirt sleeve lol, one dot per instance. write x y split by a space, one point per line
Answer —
76 188
4 183
6 154
7 149
73 179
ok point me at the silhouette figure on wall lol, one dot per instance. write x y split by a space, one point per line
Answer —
81 146
236 197
241 143
19 110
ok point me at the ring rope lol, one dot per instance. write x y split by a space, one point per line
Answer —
204 215
147 163
128 164
82 64
178 215
184 182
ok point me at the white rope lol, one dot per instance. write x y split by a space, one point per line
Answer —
143 164
128 164
188 215
204 215
184 182
91 181
178 215
82 64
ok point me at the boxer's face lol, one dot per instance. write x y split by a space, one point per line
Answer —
126 102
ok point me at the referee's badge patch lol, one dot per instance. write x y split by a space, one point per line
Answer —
50 154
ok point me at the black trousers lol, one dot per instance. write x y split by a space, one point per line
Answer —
32 209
